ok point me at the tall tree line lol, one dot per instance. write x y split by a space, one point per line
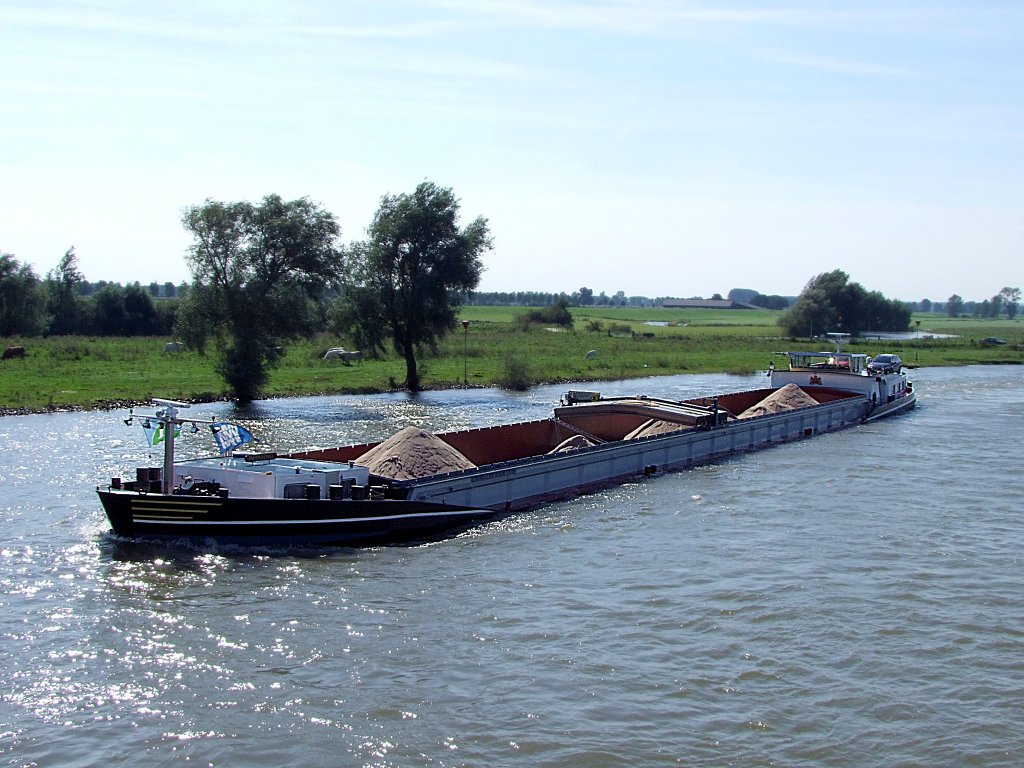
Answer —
1007 302
64 303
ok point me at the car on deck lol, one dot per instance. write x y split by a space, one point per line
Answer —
885 364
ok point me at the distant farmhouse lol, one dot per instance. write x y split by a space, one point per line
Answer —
705 304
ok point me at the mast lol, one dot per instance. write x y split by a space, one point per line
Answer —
169 418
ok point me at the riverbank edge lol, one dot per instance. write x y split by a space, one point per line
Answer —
115 405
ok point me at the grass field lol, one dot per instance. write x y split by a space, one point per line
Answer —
627 342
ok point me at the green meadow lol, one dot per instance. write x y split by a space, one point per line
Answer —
606 343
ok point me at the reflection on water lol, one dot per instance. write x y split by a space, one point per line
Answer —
702 618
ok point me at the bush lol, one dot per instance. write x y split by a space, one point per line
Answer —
556 314
515 374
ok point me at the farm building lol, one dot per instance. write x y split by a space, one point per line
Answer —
705 304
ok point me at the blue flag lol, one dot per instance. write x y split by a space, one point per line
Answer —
229 436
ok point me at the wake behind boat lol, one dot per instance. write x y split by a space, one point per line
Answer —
416 485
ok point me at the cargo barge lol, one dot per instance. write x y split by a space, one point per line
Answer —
419 486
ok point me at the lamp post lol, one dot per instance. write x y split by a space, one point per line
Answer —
465 347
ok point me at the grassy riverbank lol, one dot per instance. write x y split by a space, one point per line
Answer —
82 372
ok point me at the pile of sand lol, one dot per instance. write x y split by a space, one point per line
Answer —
413 453
654 427
573 443
785 399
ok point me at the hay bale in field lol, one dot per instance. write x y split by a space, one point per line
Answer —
785 399
413 453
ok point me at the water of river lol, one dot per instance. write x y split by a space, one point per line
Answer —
855 599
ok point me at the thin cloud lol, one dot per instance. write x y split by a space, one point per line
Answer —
828 64
618 17
103 22
384 32
647 16
667 18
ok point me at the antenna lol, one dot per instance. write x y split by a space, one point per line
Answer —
170 403
839 339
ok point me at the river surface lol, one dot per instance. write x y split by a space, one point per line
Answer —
852 600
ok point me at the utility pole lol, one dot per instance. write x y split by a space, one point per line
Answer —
465 349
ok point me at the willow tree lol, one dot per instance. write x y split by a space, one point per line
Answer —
830 302
406 281
63 305
256 270
1011 300
22 305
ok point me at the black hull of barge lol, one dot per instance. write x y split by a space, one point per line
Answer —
278 522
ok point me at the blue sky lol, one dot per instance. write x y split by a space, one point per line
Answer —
655 147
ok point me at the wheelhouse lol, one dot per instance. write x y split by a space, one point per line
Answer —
847 362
